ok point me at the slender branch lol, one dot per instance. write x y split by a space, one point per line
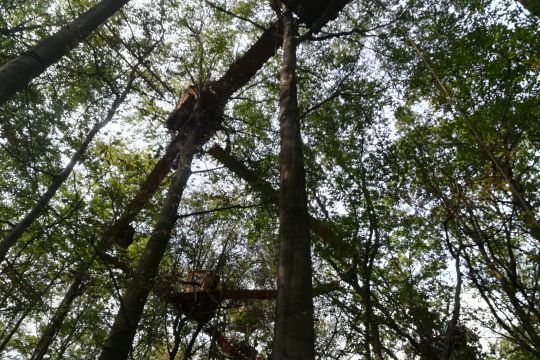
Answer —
209 211
223 10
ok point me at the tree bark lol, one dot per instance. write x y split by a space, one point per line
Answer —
245 67
189 348
44 200
132 303
293 332
18 73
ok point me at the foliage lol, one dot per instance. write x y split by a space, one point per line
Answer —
421 142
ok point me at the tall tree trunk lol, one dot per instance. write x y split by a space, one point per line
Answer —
18 73
132 302
293 331
61 312
372 245
67 340
178 324
244 68
189 348
44 200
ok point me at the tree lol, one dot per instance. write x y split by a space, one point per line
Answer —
293 336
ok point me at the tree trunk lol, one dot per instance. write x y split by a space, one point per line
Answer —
245 67
18 73
132 303
450 334
189 347
44 200
67 340
293 331
61 312
177 327
146 190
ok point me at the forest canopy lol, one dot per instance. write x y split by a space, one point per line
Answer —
233 179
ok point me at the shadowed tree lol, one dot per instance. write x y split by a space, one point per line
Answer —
200 125
132 302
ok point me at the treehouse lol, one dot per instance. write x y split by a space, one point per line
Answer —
200 304
309 11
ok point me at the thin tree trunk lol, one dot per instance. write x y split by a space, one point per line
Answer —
29 308
293 332
177 327
61 312
44 200
377 345
372 246
121 336
18 73
447 351
66 342
15 328
146 190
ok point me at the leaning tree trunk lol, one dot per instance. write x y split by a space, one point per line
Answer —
14 330
132 303
61 312
122 333
18 73
44 200
293 332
